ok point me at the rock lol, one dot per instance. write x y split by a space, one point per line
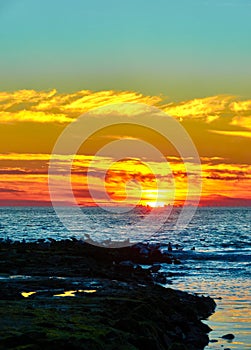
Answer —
160 278
170 248
155 268
156 254
177 346
228 336
126 263
126 309
144 251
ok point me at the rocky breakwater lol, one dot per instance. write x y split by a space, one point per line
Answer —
72 295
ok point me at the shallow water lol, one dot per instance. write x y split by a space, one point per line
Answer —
233 312
219 266
232 316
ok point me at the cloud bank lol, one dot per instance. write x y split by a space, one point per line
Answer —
55 107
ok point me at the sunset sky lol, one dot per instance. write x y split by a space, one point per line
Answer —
191 59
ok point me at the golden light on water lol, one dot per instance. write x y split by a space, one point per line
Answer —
27 294
72 293
69 293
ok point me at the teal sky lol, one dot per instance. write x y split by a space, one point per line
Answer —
181 49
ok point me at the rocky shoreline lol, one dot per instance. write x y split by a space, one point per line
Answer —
73 295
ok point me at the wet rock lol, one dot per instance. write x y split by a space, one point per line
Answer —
127 263
160 278
177 346
144 251
228 336
155 268
124 308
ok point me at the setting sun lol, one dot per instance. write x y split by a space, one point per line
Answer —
156 204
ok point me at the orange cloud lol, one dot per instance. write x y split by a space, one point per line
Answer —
242 121
53 107
90 100
232 133
209 107
241 106
32 116
24 182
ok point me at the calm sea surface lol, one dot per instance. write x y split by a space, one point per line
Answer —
219 266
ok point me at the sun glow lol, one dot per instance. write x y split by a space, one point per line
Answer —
156 204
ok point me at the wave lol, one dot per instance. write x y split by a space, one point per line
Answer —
243 255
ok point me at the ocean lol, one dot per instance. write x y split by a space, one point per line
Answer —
215 251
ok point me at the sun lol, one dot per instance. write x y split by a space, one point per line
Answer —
154 204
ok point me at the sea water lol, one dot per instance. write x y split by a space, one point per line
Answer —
215 251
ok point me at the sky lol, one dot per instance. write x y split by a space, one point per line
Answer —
191 59
180 49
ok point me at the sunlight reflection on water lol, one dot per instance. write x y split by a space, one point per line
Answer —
233 312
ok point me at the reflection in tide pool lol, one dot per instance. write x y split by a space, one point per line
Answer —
72 293
67 293
27 294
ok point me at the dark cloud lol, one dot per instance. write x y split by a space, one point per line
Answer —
23 171
228 175
9 190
